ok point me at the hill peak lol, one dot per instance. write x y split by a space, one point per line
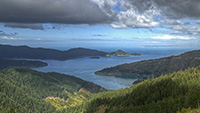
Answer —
118 53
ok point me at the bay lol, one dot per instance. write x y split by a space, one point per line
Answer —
84 68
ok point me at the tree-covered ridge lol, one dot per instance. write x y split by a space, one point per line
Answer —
8 51
6 64
166 94
25 90
155 67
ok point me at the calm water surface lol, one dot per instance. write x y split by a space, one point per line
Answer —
84 68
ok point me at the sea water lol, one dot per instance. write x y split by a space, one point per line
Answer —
84 68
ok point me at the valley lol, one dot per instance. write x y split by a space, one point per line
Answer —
76 91
99 56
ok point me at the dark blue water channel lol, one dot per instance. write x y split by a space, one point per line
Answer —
84 68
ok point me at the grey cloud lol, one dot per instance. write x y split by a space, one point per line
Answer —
133 14
2 33
164 46
98 35
197 23
52 11
172 22
23 25
115 39
96 39
136 14
13 34
157 31
152 13
20 39
186 29
171 8
179 8
186 23
139 5
168 13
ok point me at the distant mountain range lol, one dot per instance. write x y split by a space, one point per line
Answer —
8 51
155 67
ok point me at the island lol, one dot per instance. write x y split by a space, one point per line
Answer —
118 53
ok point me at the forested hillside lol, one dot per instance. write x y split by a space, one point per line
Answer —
27 91
155 67
176 92
6 64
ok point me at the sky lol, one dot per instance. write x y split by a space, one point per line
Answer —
100 23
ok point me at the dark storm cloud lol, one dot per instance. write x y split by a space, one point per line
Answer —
132 13
170 8
179 8
179 17
51 11
26 26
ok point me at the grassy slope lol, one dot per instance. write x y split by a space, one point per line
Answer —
25 90
165 94
74 99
